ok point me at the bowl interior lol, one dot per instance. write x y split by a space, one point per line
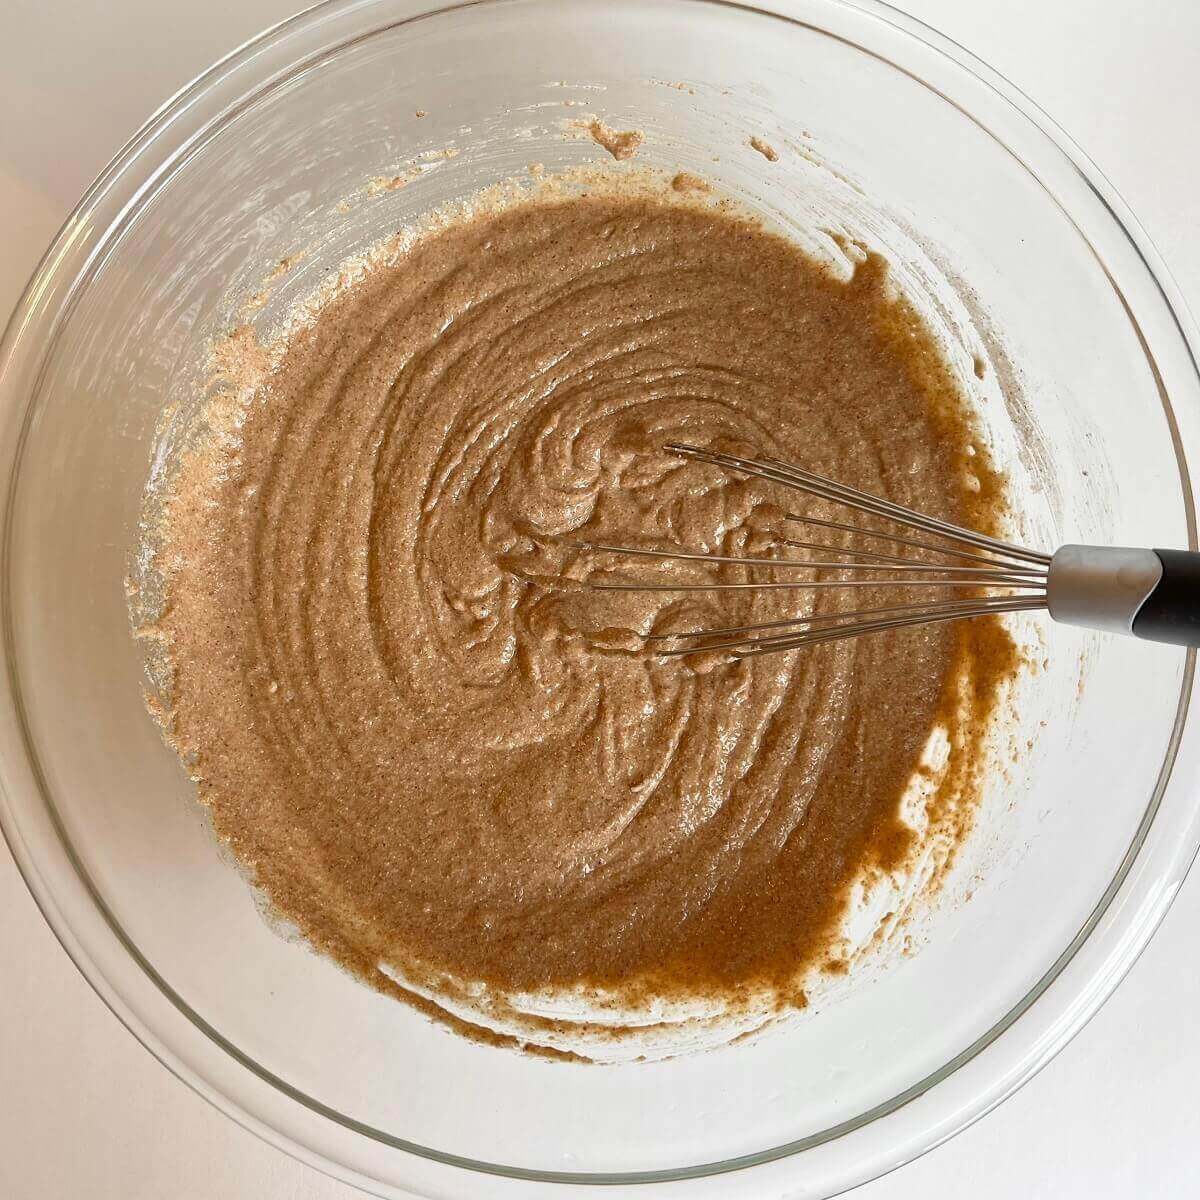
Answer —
286 172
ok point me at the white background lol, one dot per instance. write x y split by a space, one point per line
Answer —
86 1112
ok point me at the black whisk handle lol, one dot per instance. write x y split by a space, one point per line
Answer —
1171 612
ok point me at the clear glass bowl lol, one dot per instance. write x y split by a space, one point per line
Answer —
266 155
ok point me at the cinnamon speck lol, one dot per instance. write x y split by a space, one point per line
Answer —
621 144
384 184
284 265
765 149
685 181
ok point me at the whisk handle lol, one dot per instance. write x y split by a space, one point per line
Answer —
1151 594
1171 613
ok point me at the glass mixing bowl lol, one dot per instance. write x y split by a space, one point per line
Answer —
267 156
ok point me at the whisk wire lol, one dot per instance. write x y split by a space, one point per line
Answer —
980 575
754 646
811 584
916 543
988 563
818 485
916 609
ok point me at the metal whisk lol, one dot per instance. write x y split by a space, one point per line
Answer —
1151 594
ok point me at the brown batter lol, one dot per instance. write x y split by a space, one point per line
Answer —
765 149
432 752
621 144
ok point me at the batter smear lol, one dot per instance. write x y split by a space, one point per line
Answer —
441 756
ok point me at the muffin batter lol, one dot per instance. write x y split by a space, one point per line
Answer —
443 757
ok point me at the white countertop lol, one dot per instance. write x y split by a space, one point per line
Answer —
86 1112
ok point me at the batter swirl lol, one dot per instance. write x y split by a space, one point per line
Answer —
449 763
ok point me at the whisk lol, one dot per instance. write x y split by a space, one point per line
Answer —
1149 594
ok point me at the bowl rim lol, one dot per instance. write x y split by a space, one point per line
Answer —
28 343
